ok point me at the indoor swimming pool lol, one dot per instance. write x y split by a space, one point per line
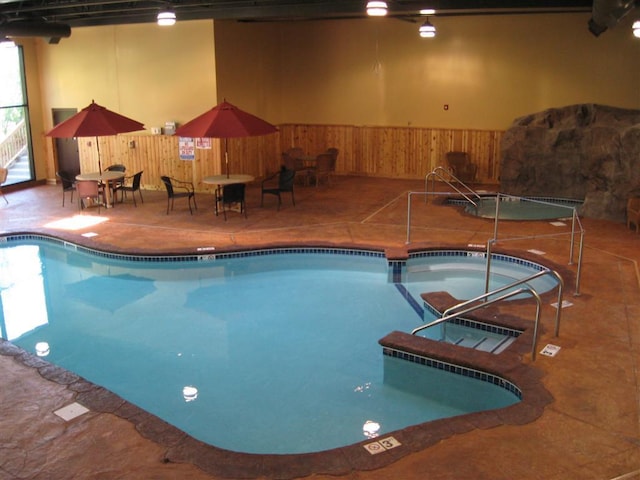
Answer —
258 352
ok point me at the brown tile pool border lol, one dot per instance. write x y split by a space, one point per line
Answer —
182 448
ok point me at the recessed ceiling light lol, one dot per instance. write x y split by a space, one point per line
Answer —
166 18
377 9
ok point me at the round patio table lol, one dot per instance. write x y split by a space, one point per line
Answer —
222 180
107 177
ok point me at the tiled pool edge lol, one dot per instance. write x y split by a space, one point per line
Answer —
181 448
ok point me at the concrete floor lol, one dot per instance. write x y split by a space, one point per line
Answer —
589 430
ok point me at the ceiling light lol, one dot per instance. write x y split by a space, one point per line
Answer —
376 9
427 30
636 28
166 18
427 11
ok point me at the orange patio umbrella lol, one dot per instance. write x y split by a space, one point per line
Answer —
94 121
225 121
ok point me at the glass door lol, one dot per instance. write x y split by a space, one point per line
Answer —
15 132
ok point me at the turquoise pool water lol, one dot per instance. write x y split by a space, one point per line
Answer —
533 208
259 354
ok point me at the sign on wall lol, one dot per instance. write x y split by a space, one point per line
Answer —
186 148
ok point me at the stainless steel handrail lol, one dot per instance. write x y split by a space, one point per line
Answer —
546 270
519 291
435 173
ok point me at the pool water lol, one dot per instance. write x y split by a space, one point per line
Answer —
517 208
259 354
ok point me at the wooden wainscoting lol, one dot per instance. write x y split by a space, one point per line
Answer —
392 152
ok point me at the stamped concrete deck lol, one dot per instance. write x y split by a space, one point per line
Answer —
587 427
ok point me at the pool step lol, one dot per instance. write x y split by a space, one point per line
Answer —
477 339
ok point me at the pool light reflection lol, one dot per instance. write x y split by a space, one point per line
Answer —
42 349
371 429
189 393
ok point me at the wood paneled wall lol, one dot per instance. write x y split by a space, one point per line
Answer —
390 152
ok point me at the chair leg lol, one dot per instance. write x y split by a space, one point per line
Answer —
168 202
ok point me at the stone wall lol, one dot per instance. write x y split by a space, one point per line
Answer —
587 151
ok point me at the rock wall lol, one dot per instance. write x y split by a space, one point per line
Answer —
587 151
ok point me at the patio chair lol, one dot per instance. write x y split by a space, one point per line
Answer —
130 184
461 166
334 153
285 178
633 212
116 167
68 184
186 191
297 163
233 194
89 194
323 168
3 178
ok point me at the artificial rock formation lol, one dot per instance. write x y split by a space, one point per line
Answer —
586 151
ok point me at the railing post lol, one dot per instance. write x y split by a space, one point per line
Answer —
409 217
579 272
487 275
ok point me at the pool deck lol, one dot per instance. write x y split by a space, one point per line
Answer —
581 416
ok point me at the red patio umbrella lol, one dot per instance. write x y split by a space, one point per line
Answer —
225 121
94 121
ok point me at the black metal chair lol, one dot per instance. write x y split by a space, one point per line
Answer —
233 194
285 178
188 192
68 183
130 184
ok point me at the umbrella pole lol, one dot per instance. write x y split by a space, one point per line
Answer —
99 163
226 157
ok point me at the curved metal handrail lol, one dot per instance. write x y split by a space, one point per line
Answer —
435 173
513 293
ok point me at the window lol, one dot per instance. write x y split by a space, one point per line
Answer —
15 132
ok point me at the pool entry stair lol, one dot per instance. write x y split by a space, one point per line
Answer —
463 332
506 292
478 336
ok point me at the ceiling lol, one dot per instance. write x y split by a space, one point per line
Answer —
112 12
56 18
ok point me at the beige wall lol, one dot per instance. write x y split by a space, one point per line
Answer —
145 72
488 70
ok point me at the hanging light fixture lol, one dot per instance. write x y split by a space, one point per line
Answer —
636 28
166 18
376 9
427 30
